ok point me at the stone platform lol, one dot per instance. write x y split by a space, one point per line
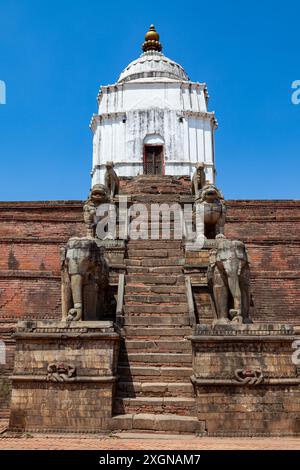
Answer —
64 376
245 380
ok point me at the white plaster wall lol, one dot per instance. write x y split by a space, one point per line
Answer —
129 112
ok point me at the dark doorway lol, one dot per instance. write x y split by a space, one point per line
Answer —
153 160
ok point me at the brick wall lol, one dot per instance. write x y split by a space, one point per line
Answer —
271 230
30 238
31 234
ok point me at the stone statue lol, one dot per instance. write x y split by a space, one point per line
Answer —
84 280
211 202
98 195
229 281
198 179
111 180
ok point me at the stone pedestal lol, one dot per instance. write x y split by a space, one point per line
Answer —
245 380
64 376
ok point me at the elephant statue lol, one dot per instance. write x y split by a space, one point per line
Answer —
229 281
84 280
210 206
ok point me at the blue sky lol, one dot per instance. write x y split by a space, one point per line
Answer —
55 54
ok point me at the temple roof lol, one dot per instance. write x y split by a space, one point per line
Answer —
153 63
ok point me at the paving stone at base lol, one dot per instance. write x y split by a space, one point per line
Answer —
158 422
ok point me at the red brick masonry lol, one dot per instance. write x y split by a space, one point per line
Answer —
31 234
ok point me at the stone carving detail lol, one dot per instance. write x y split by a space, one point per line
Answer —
111 180
248 376
211 201
98 195
228 278
84 280
198 180
60 372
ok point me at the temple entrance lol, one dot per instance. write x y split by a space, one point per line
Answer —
153 160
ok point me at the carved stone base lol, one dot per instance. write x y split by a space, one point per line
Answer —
64 376
245 380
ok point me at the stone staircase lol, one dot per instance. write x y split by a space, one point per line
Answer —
154 390
164 185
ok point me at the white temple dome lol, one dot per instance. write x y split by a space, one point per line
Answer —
153 64
153 121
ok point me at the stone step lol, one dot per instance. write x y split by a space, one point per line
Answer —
159 234
155 262
176 261
159 244
162 389
154 373
155 289
152 299
148 345
155 320
143 181
150 333
154 308
153 278
154 219
152 252
183 406
163 359
150 179
170 423
154 269
133 262
169 197
159 193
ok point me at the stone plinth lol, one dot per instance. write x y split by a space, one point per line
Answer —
64 376
245 380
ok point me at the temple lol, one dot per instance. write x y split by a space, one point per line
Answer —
154 120
155 305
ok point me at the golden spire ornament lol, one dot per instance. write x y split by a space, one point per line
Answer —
152 40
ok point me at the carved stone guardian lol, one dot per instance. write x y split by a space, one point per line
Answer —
111 180
98 195
210 206
229 281
198 179
84 280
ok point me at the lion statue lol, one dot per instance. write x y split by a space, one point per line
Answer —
198 179
212 205
98 195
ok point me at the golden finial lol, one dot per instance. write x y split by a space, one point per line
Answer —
152 40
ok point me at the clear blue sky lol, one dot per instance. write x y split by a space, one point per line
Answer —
54 55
